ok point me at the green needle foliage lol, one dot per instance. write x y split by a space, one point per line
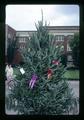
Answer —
48 96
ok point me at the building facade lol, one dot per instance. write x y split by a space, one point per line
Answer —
62 34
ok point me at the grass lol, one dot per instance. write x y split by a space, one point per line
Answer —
69 74
72 74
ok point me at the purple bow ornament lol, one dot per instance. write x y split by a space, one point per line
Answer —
32 81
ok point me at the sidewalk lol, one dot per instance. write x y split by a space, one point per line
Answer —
75 86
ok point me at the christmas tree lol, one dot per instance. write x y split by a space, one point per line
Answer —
41 90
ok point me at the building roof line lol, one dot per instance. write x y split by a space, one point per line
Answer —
49 28
11 27
53 28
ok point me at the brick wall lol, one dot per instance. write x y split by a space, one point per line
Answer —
17 58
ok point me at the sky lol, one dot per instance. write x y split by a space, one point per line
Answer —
24 17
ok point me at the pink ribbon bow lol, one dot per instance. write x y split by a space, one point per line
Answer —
33 81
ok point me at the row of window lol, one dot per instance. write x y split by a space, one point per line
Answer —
62 47
23 39
22 47
59 37
56 37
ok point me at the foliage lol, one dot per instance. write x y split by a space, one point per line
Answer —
48 96
74 44
64 59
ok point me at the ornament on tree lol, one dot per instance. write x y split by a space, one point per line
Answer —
33 81
22 71
56 62
49 73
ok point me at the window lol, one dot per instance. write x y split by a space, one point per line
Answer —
59 37
62 37
29 37
69 57
56 37
70 36
22 46
68 47
22 39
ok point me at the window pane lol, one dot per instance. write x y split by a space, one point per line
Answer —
68 47
63 37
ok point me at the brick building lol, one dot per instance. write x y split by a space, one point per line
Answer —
10 34
62 35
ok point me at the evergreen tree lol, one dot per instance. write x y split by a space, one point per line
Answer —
42 89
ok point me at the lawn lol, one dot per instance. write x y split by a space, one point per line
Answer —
69 74
72 74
